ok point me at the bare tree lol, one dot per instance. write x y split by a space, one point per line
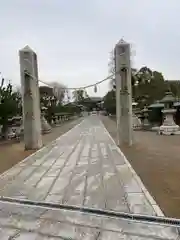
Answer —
111 68
80 95
111 63
59 90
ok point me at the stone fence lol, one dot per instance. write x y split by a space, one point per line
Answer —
61 118
16 131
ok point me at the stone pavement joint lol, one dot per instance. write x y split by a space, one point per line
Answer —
84 167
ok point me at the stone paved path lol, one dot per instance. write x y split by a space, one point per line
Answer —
84 167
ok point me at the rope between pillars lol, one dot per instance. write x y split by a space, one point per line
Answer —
66 88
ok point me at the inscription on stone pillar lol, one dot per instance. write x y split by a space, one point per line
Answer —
124 111
27 86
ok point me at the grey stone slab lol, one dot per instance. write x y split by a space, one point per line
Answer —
6 234
12 172
26 235
115 155
34 179
53 172
45 183
25 173
139 204
54 198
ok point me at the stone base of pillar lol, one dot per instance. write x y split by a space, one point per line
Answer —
46 128
26 148
155 128
169 127
169 130
146 126
137 125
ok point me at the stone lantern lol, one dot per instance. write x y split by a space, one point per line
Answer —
145 116
169 127
134 104
135 120
45 127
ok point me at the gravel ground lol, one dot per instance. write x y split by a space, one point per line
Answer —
156 159
12 154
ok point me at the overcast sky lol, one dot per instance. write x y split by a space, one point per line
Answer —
73 38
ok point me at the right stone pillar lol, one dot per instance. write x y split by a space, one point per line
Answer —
123 93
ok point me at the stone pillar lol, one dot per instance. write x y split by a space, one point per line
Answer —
118 88
30 99
123 93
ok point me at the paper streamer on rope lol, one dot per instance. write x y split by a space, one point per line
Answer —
95 88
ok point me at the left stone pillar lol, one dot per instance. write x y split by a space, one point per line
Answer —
30 99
